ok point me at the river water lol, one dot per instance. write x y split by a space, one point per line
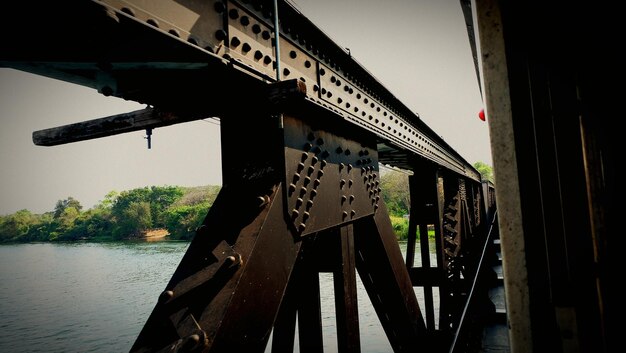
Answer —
96 297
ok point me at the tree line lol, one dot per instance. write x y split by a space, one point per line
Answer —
124 215
175 209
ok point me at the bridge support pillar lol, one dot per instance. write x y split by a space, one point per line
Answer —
299 197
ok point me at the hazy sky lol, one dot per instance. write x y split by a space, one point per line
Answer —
419 50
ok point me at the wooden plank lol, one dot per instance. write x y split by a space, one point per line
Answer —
143 119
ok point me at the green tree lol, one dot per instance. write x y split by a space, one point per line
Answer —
64 224
135 219
61 205
161 197
395 191
156 197
40 231
15 227
183 220
485 170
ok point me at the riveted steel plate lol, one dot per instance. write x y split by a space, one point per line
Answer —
330 180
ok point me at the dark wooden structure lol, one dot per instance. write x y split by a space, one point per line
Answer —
304 128
549 72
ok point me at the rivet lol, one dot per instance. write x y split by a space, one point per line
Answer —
325 154
302 227
107 91
344 214
320 174
309 204
342 182
310 136
258 55
305 216
347 152
352 213
307 147
235 42
316 183
246 48
323 164
362 170
307 180
316 150
191 342
202 229
299 202
286 72
376 206
351 198
256 29
229 260
339 150
295 214
265 35
300 166
349 167
267 60
293 54
292 188
314 160
343 198
313 193
377 197
311 170
365 178
233 13
220 34
165 296
350 183
244 20
153 22
341 166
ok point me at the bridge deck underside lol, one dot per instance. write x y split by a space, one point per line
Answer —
121 56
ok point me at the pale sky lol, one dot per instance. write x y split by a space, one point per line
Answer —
418 49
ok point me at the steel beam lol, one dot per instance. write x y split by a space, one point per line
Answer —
161 53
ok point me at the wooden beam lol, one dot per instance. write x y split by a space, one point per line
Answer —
143 119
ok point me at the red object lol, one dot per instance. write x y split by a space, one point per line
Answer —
481 114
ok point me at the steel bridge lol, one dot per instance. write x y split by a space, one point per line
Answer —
301 182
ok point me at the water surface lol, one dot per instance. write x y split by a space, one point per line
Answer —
96 297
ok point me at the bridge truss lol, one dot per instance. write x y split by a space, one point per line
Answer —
304 128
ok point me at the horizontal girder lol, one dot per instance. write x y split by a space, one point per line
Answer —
208 57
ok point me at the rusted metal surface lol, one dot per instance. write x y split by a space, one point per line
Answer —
323 169
300 162
159 52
